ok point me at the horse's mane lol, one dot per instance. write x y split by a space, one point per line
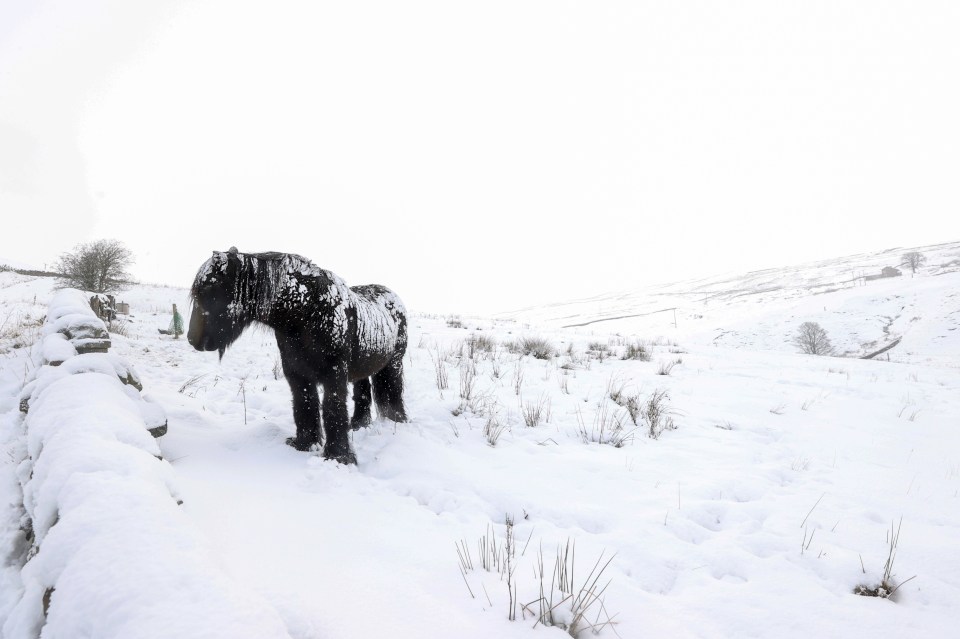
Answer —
260 277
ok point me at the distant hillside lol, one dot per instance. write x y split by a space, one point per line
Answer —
23 268
861 310
25 271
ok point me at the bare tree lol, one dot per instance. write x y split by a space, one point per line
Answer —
913 260
99 266
813 340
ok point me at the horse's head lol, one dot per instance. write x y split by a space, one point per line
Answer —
217 318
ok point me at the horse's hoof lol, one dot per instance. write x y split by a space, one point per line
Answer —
344 457
300 444
359 423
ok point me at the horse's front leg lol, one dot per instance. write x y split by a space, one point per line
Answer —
306 412
336 419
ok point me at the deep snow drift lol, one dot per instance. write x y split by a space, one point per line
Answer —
764 508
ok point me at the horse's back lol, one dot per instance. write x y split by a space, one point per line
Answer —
381 333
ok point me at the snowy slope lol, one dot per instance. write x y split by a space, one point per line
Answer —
762 309
759 514
4 262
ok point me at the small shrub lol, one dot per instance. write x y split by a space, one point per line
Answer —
585 607
454 321
117 327
633 405
496 368
20 328
665 368
615 388
518 378
468 378
479 343
599 350
885 589
535 412
657 414
479 404
493 428
576 607
637 351
607 428
192 385
538 347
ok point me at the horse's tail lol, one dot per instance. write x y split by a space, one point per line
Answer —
383 325
388 382
388 390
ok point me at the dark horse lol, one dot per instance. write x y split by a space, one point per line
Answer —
328 334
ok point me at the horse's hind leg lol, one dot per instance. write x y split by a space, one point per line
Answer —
388 390
336 419
306 412
361 403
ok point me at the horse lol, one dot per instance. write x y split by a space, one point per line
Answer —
328 334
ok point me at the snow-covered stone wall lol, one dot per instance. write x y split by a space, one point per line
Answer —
112 554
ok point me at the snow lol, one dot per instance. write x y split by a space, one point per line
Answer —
103 363
761 512
761 309
17 264
112 554
56 348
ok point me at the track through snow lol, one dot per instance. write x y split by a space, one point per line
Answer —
750 519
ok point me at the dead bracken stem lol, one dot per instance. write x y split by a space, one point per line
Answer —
242 391
811 510
440 371
510 549
518 377
469 589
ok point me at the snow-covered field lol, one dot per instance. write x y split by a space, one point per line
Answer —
761 309
770 501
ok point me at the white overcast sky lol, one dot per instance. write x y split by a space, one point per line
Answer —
480 156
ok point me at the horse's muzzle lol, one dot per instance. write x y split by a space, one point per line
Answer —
195 333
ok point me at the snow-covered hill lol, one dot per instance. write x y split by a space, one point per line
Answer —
861 312
758 514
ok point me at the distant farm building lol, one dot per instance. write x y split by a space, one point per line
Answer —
887 271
